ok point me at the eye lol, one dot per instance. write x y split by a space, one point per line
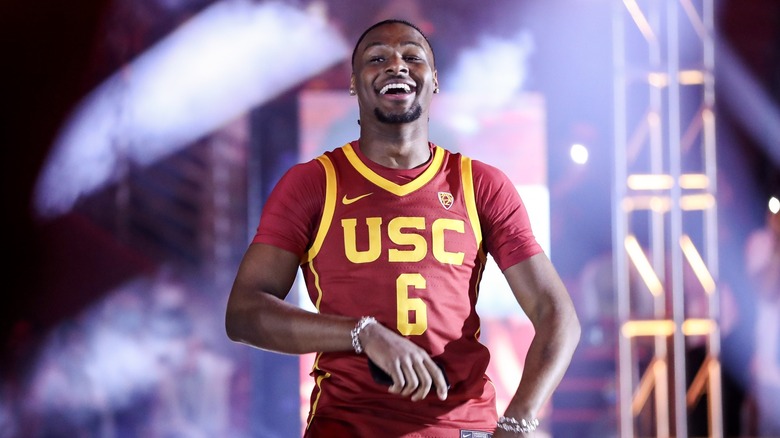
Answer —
376 59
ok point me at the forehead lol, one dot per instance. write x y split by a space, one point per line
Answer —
393 34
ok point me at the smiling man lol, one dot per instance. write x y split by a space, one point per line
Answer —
391 233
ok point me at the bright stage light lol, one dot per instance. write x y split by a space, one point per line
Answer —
233 56
579 153
774 205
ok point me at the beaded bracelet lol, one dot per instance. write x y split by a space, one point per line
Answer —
361 324
509 424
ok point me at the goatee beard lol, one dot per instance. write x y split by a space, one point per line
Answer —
413 114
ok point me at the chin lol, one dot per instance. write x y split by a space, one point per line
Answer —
397 118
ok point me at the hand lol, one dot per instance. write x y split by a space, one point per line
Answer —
413 371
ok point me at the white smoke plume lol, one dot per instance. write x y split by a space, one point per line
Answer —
233 56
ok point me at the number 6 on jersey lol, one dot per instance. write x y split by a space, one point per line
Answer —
407 305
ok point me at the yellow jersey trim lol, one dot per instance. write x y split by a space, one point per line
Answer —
470 199
318 382
396 189
328 209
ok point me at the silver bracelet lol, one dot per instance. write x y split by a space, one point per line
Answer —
361 324
509 424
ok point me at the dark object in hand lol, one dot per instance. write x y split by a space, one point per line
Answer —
382 378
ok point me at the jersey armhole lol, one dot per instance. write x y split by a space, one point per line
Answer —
327 211
469 197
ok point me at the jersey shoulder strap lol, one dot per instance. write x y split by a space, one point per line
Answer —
470 199
327 210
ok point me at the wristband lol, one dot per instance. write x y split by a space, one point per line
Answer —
510 424
361 324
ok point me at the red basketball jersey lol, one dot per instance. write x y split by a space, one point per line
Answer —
411 256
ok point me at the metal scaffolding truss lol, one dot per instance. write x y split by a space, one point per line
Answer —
665 216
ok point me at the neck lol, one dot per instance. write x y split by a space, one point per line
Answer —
396 146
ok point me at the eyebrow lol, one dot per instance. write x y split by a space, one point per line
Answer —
405 43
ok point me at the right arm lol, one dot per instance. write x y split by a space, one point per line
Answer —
257 315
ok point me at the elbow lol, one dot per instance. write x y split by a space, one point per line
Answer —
576 329
566 325
561 324
233 326
246 322
230 327
573 327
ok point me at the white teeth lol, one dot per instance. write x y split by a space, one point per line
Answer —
387 87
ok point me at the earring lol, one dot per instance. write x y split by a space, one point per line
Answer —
352 92
436 90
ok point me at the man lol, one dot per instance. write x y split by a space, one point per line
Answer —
762 263
391 232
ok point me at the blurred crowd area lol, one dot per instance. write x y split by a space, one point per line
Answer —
149 360
763 271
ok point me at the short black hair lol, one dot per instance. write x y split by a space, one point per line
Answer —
392 21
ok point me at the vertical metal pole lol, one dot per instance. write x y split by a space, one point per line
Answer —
626 418
711 217
675 228
657 232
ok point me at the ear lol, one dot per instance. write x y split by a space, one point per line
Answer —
435 80
352 81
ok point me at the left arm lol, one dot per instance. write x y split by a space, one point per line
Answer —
544 298
535 284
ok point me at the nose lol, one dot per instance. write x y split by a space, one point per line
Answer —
397 66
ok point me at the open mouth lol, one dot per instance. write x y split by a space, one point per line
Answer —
396 89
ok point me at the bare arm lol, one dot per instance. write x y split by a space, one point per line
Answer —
257 315
541 293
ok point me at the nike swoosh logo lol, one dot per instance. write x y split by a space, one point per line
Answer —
347 201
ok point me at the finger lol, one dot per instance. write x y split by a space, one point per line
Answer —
424 377
438 380
399 381
412 382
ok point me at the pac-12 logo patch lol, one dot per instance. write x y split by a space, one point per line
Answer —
446 199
